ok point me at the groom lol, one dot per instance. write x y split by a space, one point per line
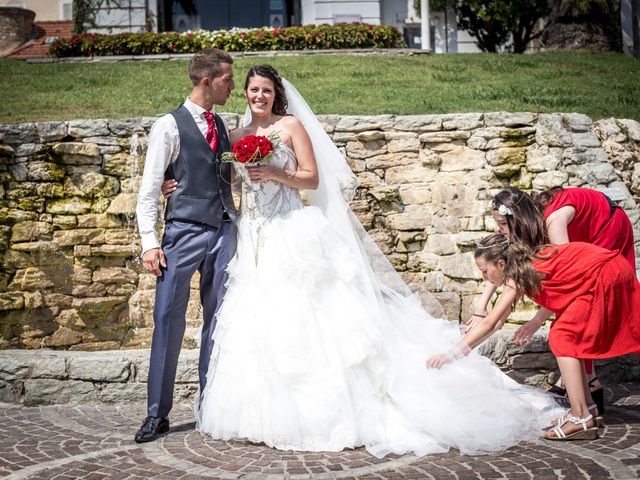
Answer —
199 232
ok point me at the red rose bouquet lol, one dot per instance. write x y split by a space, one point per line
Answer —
251 149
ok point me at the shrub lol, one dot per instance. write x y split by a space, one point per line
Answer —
307 37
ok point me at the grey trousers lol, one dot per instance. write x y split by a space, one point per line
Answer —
187 247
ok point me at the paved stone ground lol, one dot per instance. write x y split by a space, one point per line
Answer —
95 442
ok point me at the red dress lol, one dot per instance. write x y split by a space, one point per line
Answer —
593 222
596 298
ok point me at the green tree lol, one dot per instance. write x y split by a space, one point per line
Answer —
494 22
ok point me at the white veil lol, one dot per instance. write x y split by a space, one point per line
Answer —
337 187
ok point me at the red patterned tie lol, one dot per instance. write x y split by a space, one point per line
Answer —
212 135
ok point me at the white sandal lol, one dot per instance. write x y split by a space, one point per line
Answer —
598 419
562 419
587 433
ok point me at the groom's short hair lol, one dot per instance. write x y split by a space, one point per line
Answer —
207 63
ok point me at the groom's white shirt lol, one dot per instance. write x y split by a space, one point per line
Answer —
164 147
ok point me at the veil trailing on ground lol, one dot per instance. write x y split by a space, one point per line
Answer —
337 187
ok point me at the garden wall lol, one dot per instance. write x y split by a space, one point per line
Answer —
70 274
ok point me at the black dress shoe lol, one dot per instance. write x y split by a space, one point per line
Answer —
151 429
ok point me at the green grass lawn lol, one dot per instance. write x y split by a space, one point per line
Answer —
597 84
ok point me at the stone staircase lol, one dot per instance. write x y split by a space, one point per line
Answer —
50 377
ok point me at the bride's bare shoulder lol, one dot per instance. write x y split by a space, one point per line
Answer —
237 134
290 121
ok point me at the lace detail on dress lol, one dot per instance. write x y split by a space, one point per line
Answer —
272 198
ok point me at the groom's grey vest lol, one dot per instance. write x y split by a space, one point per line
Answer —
203 194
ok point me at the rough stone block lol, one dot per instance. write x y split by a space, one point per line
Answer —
577 122
632 128
460 265
461 158
63 337
18 133
80 236
122 393
131 250
52 392
78 153
51 131
550 131
509 119
450 303
362 123
123 204
545 180
73 205
414 217
30 231
410 174
14 367
11 301
91 184
441 244
93 368
462 121
418 123
415 194
115 275
49 366
88 128
391 160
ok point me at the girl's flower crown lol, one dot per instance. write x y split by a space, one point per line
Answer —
505 210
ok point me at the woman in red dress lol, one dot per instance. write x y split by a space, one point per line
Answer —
586 215
593 292
569 215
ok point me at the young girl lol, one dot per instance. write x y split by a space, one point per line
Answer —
594 294
558 216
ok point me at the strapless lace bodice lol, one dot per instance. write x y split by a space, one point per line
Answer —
272 198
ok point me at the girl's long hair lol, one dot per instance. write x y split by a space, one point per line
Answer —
518 260
525 222
544 199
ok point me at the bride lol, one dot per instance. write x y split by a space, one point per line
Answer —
319 345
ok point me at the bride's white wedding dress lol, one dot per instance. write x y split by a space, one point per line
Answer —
312 354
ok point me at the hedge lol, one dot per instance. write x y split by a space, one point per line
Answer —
307 37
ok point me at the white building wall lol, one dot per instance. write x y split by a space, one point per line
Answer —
330 11
444 30
466 42
394 12
131 16
45 10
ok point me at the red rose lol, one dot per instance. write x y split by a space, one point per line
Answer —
252 148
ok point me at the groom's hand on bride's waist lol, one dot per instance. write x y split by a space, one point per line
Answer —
168 187
153 259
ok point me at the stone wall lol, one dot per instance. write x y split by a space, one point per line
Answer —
15 28
70 274
53 377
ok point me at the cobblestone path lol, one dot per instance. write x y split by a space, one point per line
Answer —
96 442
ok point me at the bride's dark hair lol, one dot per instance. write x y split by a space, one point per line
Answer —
267 71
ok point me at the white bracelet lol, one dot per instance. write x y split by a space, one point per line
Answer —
459 352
